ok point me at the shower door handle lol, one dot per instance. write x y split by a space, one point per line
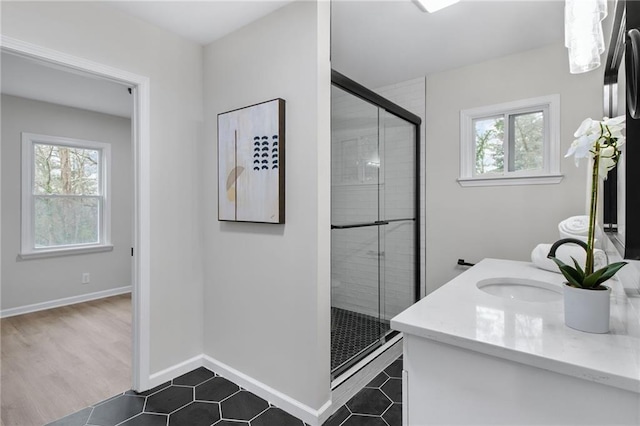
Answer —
376 223
400 220
361 225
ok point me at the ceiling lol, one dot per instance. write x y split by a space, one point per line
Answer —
44 82
378 42
373 42
382 42
201 21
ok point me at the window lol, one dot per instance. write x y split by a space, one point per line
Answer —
65 196
514 143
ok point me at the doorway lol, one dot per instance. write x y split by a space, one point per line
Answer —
140 152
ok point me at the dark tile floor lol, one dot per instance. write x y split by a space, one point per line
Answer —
351 332
203 398
377 404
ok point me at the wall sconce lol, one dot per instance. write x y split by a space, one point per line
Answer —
583 33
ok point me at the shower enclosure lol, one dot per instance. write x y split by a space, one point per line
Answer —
374 219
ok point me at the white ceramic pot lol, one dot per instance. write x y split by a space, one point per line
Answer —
587 310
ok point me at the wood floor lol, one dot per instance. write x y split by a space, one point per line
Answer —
59 361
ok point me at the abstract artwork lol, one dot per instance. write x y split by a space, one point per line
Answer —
251 163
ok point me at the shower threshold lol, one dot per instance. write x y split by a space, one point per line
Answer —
353 337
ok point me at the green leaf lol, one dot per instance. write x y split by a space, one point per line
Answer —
609 271
591 281
578 268
572 275
576 276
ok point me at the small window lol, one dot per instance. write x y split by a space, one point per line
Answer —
65 203
511 144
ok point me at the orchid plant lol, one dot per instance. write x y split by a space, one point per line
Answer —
601 141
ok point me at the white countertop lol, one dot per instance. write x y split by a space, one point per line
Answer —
531 333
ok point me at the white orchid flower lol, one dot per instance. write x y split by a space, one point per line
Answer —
615 126
615 121
586 127
607 134
601 140
608 160
581 147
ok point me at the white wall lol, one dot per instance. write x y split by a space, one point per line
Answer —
174 67
501 221
27 282
266 289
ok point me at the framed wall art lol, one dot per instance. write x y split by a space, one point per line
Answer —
251 163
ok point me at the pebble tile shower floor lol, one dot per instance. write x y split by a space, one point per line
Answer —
203 398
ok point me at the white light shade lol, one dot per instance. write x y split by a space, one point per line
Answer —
583 33
434 5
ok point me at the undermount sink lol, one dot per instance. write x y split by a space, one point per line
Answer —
520 289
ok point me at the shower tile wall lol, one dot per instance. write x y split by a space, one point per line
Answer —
355 199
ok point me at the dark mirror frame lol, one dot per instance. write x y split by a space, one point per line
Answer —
626 17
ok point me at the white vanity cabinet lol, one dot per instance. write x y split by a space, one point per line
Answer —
473 358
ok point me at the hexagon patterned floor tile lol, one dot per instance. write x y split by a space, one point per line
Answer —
243 406
116 410
202 398
216 389
147 419
196 414
169 400
369 401
377 404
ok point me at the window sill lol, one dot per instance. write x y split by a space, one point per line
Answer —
510 180
65 252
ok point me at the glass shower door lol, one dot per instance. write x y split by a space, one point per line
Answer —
398 207
373 217
355 242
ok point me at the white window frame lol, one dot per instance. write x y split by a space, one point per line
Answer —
549 174
28 249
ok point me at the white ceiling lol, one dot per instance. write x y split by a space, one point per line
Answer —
373 42
35 80
383 42
201 21
378 42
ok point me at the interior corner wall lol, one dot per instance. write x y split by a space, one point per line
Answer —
29 282
99 33
500 221
266 292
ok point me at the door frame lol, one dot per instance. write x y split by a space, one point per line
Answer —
140 131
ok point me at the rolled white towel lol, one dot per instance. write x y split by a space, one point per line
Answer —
565 252
600 259
578 227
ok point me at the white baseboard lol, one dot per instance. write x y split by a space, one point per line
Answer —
175 370
292 406
379 360
277 398
375 363
5 313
